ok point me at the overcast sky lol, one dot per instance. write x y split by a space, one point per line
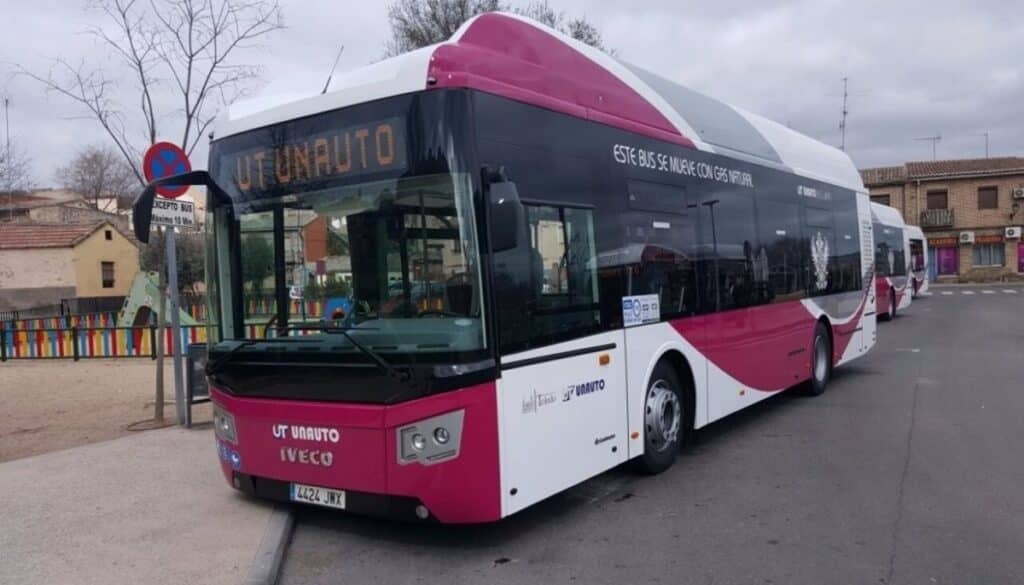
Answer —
916 69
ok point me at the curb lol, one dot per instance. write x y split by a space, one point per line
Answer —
266 567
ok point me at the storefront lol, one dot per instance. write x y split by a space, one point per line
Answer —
944 257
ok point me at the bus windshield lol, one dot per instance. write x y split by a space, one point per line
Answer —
389 265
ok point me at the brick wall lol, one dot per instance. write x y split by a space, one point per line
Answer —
962 196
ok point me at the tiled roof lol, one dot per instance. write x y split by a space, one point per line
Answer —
965 166
883 175
15 236
942 168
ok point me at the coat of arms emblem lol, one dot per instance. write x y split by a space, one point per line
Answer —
819 257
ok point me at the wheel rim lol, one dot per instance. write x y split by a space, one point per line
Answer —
663 416
820 359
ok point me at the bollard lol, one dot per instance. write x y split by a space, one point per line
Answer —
152 341
74 342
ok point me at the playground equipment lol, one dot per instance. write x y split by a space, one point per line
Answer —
141 303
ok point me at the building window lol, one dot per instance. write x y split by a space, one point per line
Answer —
938 200
109 235
107 274
989 254
988 198
881 199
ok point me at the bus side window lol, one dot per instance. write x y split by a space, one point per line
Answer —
728 247
781 257
659 246
547 288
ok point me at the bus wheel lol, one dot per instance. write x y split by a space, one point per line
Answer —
821 361
664 420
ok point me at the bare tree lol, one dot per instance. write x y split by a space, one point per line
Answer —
418 23
101 176
179 52
15 168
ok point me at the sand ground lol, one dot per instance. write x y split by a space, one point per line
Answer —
51 405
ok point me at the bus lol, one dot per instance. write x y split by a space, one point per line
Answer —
552 262
892 249
919 268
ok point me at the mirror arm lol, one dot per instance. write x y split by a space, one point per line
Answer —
142 207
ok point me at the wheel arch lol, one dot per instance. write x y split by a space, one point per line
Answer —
684 370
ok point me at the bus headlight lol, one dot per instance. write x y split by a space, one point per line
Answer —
446 432
441 435
224 425
418 442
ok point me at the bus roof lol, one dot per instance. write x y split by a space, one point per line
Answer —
521 59
886 215
914 232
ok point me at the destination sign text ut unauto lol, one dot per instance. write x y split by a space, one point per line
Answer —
332 154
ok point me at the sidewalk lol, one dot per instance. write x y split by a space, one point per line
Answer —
152 507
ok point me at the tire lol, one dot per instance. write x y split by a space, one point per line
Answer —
665 420
821 361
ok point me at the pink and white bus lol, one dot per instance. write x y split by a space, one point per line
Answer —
919 270
546 263
892 247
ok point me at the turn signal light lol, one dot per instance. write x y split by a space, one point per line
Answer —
604 359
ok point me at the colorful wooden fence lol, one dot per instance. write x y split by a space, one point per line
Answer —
92 320
89 342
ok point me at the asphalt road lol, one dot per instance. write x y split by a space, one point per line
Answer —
908 470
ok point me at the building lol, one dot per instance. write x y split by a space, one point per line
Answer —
969 209
41 264
55 206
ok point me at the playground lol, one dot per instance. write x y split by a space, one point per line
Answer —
51 405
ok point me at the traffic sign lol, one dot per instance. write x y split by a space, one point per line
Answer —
179 214
165 159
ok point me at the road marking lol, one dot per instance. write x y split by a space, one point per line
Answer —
1009 291
967 292
947 293
988 292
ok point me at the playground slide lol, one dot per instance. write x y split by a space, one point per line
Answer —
141 303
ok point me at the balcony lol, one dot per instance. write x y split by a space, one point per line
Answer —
937 218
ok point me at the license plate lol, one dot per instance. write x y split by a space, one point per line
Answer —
320 496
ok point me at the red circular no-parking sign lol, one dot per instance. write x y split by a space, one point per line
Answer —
165 159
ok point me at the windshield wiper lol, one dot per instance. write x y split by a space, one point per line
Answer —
217 364
399 375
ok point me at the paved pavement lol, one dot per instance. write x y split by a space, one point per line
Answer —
907 471
148 508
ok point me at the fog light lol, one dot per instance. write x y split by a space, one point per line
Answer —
441 435
419 442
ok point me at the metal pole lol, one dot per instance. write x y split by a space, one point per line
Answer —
172 283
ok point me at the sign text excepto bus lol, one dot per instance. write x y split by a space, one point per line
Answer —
679 165
175 213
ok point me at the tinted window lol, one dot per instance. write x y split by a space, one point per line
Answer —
847 269
780 261
659 247
547 288
728 245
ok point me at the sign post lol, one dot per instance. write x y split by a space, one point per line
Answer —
164 159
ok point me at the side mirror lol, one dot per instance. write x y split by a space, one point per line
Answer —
506 215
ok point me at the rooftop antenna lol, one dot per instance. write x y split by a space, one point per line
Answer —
934 140
846 111
331 74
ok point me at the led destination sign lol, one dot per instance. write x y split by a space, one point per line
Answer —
324 156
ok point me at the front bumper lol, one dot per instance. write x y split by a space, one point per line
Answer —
355 448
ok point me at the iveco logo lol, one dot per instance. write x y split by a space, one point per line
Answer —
307 456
